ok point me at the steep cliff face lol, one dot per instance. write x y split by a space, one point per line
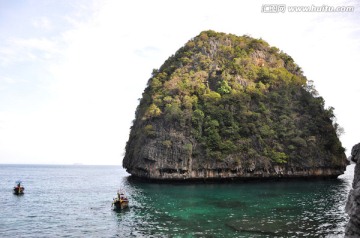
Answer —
353 203
226 106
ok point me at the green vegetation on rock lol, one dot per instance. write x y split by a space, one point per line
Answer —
236 99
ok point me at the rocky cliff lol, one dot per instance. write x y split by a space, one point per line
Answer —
353 203
226 106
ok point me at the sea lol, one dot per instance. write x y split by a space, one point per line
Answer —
76 201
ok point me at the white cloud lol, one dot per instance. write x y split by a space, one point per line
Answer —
100 65
43 23
17 50
42 44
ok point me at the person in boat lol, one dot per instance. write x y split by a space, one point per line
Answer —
121 197
18 189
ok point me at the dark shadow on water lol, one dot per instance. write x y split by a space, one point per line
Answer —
227 204
268 195
272 208
285 209
134 180
257 228
121 211
18 195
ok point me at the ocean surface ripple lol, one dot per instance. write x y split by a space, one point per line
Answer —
75 201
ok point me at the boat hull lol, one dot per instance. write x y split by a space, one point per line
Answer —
19 191
121 205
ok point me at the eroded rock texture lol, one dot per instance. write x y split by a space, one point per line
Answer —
353 203
225 107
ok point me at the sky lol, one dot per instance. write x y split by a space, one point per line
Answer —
72 71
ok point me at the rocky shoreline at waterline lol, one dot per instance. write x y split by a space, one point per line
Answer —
353 204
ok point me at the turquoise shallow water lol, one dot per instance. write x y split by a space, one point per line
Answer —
75 201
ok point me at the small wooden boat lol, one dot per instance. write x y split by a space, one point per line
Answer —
120 202
18 189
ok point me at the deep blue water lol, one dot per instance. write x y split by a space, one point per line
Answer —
75 201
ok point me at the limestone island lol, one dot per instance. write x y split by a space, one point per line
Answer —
232 107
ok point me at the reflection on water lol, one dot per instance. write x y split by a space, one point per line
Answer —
254 209
75 201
